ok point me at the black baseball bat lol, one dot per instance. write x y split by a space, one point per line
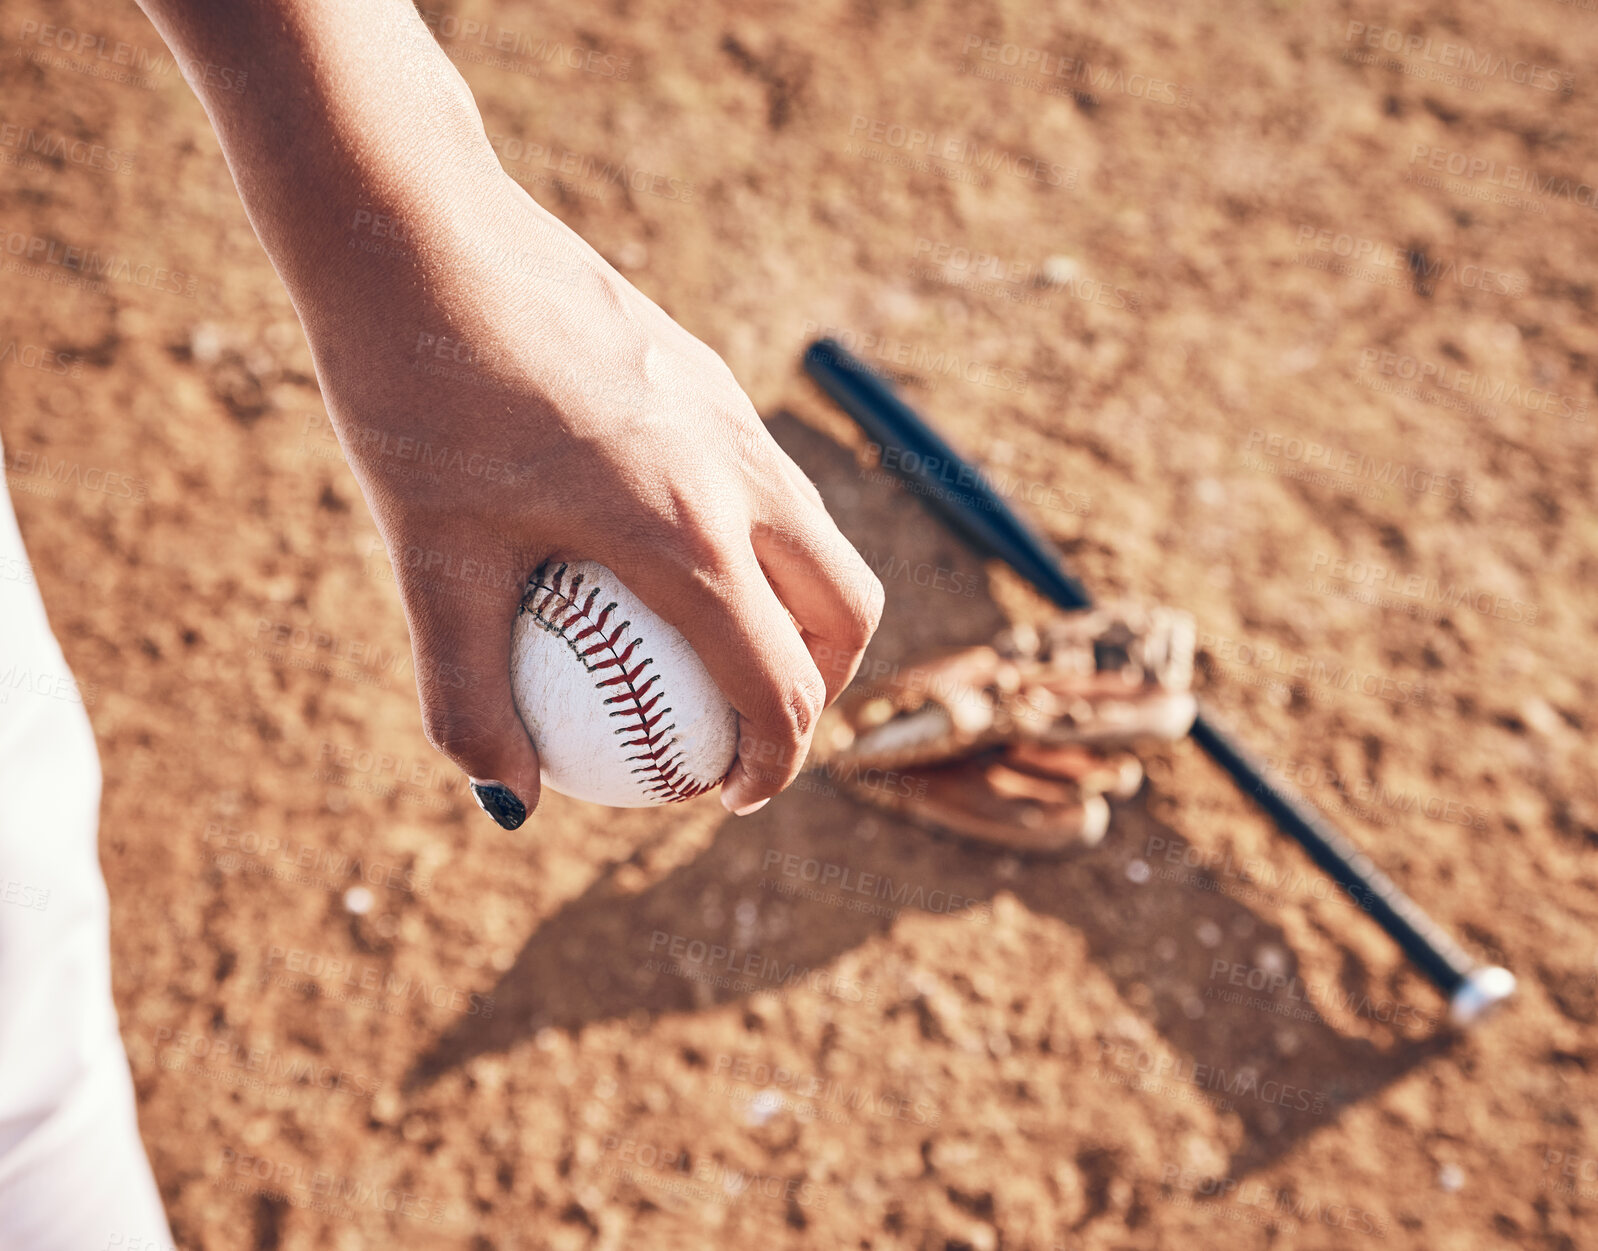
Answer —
958 492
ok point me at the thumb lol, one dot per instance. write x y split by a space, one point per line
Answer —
461 629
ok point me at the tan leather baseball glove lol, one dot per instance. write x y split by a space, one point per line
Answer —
1017 743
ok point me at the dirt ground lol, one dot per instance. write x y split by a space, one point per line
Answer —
1281 312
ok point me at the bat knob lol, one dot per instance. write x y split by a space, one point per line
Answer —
1479 993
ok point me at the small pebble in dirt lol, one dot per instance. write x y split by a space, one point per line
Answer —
1451 1178
359 900
1058 271
1209 934
1271 958
205 343
1540 716
1137 871
1165 949
763 1107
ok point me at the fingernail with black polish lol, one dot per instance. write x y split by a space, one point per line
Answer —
499 802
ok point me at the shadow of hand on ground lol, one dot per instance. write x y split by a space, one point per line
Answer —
730 923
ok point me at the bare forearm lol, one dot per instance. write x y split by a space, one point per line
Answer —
349 109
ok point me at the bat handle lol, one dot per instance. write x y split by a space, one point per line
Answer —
1471 989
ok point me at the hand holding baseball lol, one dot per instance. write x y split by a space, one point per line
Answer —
572 419
620 439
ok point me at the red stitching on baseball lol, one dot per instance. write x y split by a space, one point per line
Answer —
663 769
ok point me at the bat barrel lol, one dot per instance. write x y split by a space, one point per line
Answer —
954 488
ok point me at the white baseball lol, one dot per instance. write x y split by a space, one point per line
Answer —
621 709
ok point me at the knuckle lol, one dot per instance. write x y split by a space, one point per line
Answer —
870 611
773 749
711 571
802 703
453 731
698 546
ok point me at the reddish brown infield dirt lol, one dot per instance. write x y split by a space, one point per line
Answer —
513 1047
